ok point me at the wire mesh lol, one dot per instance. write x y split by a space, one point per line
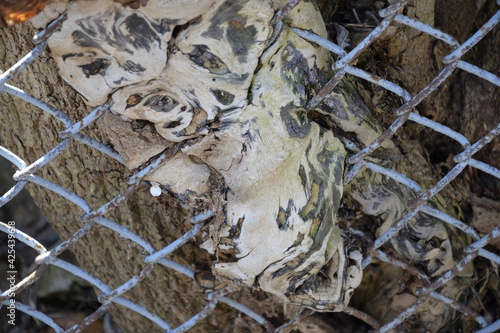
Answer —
391 15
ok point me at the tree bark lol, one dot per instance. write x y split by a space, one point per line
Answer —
30 133
466 104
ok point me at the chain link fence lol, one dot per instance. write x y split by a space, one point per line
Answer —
452 62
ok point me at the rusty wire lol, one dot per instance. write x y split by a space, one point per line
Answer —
91 217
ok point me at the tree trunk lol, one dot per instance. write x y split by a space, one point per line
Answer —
466 104
30 133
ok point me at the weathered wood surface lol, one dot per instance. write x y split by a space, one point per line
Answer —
30 133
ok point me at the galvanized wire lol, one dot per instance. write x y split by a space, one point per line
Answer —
342 66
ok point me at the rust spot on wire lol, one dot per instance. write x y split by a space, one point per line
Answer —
363 316
26 282
51 28
280 14
90 319
110 205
